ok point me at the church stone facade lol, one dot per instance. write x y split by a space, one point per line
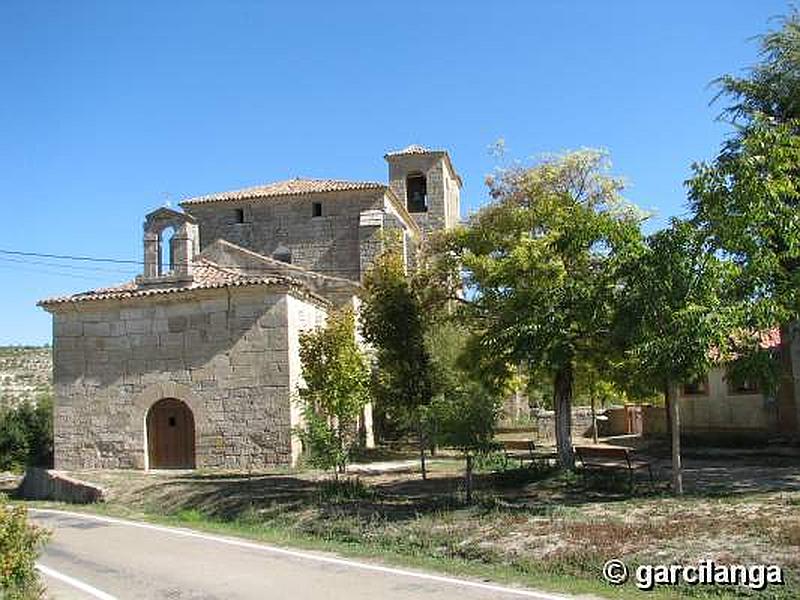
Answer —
195 363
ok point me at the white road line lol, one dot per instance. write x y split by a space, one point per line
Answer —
312 557
84 587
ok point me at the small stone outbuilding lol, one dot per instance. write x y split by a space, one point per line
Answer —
195 363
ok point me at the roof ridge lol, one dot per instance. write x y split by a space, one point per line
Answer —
415 149
287 187
202 260
138 292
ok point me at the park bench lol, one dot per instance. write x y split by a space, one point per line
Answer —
612 457
525 451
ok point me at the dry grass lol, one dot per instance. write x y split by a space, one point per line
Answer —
533 522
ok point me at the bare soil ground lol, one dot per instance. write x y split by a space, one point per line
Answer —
738 509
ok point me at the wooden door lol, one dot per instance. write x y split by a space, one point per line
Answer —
170 435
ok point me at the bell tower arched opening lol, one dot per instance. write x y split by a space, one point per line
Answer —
171 241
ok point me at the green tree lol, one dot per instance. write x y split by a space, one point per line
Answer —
540 269
747 199
26 435
393 322
20 542
771 88
674 316
465 419
336 389
447 342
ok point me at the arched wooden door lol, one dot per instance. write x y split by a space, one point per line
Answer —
170 435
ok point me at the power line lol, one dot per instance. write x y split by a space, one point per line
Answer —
24 255
49 272
70 257
138 263
25 261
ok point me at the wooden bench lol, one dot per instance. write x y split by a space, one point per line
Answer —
525 450
612 457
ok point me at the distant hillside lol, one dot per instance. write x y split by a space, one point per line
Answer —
25 373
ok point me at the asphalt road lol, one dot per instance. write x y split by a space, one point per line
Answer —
105 558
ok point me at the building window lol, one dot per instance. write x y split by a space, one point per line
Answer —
698 387
316 209
238 215
743 386
416 193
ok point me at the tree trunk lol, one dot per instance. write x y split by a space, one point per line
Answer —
421 441
594 418
787 403
342 466
562 402
468 479
675 421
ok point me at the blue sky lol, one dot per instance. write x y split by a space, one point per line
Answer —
110 109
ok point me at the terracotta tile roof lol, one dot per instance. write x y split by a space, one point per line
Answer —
290 187
770 339
767 339
413 149
207 275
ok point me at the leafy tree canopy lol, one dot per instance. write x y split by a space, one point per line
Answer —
748 202
675 315
392 322
26 435
536 259
337 385
539 264
772 88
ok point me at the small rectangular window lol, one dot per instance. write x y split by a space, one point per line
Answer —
698 387
316 209
238 215
742 386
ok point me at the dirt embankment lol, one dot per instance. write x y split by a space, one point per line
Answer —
25 374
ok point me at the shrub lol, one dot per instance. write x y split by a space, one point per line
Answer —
336 390
26 435
465 419
344 490
20 543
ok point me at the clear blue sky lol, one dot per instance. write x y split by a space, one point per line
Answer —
109 109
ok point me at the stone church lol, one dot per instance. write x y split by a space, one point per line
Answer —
195 363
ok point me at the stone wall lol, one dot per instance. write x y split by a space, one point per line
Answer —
544 422
301 317
329 244
44 484
224 352
336 290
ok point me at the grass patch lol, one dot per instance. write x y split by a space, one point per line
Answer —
412 552
532 527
